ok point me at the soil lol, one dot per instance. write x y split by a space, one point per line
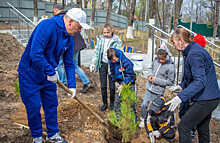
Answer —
76 123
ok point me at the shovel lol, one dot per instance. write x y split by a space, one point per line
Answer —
81 102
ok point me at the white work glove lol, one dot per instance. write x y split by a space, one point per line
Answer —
177 88
117 85
73 91
152 139
53 78
156 133
173 103
92 67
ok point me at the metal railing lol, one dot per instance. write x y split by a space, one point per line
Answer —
20 25
175 53
213 51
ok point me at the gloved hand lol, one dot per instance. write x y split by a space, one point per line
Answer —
156 133
92 67
174 103
152 139
53 78
73 91
117 85
177 88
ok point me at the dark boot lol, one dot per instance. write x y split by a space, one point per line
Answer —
85 87
112 106
104 107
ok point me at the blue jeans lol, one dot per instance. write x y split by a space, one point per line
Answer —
78 70
61 71
147 98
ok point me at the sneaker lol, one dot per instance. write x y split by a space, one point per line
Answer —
56 139
141 125
104 107
38 140
85 87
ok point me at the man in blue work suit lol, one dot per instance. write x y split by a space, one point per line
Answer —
37 75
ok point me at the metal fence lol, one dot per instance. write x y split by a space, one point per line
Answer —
214 52
45 8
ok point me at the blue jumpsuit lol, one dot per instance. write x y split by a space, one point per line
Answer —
47 43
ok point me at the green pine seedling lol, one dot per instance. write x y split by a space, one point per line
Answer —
125 120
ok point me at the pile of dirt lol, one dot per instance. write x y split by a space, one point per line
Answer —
76 123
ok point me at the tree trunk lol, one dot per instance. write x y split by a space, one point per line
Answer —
55 2
126 7
63 2
177 9
119 8
35 12
216 20
79 3
131 20
109 10
167 17
92 18
158 14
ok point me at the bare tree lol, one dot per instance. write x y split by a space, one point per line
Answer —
109 10
216 19
119 8
35 12
63 2
92 18
55 1
177 8
158 13
167 16
131 20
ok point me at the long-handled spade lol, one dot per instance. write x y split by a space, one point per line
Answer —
81 102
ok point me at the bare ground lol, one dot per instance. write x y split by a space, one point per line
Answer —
76 124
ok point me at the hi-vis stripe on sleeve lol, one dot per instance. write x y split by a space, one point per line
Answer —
166 130
163 124
149 127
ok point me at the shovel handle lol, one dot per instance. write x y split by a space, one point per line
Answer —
81 102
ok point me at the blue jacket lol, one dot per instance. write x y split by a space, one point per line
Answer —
47 43
199 81
122 70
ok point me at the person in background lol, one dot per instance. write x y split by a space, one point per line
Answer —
199 85
43 17
200 40
160 75
79 45
37 75
100 62
160 121
58 10
121 69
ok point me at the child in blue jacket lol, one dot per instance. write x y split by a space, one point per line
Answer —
121 69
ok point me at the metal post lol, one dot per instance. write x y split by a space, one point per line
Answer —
191 15
19 25
10 18
146 12
178 67
153 44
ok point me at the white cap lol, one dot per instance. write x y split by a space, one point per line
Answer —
78 15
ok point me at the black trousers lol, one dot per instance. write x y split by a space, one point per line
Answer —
199 115
103 73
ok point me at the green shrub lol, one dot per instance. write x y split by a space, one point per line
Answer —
16 86
125 120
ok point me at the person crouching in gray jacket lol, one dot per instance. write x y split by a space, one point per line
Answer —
160 75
